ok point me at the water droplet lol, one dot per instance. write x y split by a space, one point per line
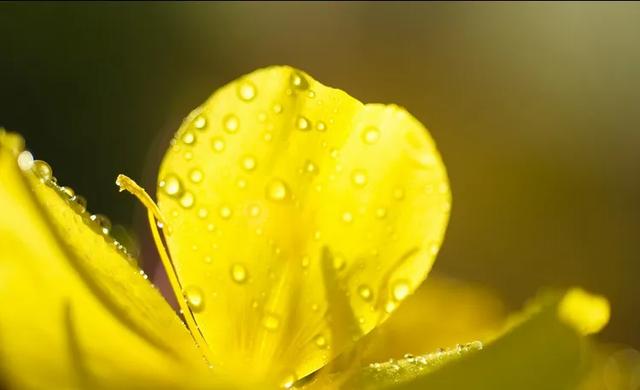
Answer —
321 126
347 217
371 135
315 307
271 322
311 94
267 137
389 307
102 221
277 190
381 213
288 381
189 137
241 183
249 163
305 261
188 155
187 200
310 167
218 144
246 90
68 191
203 213
339 262
359 177
171 185
443 188
25 160
79 203
277 108
42 170
335 153
254 210
401 290
225 212
195 298
298 81
200 122
231 123
196 175
303 123
365 292
239 273
321 341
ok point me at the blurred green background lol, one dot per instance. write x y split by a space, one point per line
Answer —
535 108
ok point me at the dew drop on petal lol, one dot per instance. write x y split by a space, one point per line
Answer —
68 191
271 322
347 217
321 341
254 210
25 160
310 167
247 91
277 108
298 81
189 137
102 222
203 213
303 123
42 170
218 144
195 298
277 190
249 163
196 175
359 177
239 273
365 292
187 200
381 213
231 123
339 262
401 290
225 212
321 126
171 185
200 122
288 382
371 135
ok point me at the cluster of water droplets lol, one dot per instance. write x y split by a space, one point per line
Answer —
277 191
399 370
97 222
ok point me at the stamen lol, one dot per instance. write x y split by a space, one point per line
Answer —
153 214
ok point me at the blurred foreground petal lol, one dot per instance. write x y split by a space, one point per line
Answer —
75 312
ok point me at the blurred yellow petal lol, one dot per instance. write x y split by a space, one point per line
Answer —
587 313
75 312
539 350
441 313
273 174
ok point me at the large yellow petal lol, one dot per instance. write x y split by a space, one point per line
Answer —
75 312
298 218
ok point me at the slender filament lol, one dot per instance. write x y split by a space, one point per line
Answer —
153 215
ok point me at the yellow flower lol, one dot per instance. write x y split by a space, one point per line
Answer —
297 219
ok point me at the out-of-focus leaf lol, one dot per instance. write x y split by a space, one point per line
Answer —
542 348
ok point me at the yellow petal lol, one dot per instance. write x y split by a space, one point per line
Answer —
538 350
75 312
270 171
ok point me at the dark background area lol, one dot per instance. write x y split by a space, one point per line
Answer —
535 108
